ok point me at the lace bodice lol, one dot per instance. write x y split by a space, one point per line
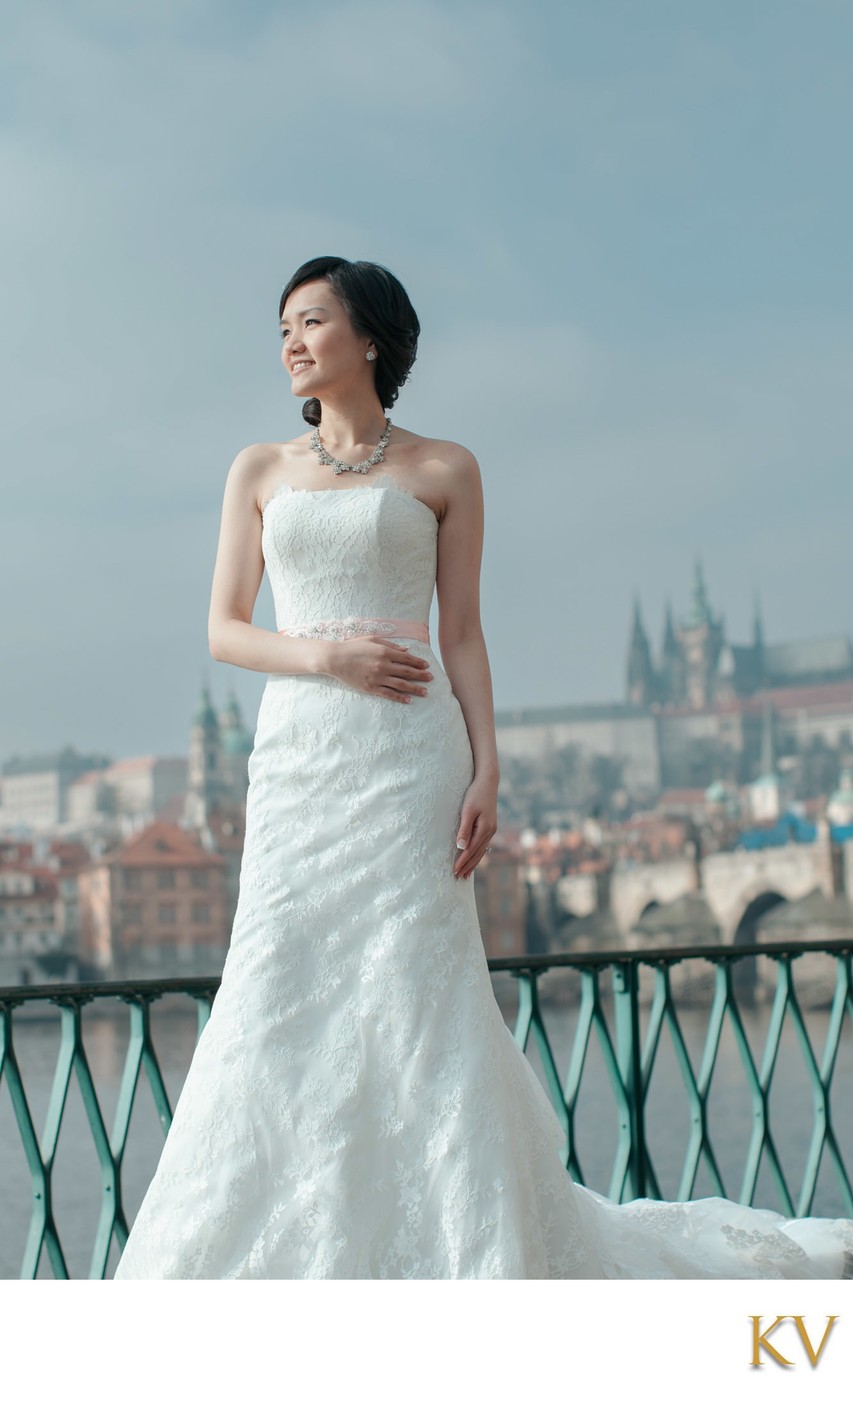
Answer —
371 550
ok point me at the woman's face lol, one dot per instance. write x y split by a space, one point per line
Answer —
319 347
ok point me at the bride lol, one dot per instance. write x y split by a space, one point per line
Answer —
356 1106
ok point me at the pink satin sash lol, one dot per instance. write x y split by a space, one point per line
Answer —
354 625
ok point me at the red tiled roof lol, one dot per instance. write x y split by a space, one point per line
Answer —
161 845
71 854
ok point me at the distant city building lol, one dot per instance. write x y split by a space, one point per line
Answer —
769 795
69 792
839 809
30 911
158 901
501 899
619 730
139 785
36 789
38 909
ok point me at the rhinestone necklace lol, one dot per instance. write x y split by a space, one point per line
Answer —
338 465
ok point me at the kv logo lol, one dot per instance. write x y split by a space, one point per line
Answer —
760 1339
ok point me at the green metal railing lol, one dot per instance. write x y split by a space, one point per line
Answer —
629 1056
630 1061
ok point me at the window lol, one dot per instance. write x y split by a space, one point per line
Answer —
507 939
132 913
167 912
201 912
132 878
200 877
166 878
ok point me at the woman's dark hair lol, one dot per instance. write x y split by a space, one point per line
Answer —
378 306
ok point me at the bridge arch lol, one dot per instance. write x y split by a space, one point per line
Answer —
745 971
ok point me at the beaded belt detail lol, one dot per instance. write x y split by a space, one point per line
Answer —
354 625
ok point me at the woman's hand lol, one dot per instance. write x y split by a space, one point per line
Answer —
375 665
478 824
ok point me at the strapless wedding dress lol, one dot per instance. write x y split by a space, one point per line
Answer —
356 1106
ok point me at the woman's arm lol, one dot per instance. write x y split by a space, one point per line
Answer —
460 634
463 650
237 578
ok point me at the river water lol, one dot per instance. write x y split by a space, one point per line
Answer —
77 1176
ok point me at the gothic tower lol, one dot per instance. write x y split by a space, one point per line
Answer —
701 639
758 645
642 686
672 664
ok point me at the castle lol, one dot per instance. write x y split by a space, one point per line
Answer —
697 666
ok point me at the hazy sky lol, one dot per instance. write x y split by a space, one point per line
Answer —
626 229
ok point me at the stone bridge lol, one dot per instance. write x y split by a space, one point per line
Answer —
739 887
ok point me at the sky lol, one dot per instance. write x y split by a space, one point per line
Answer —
625 229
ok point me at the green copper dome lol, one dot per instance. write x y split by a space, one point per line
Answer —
236 739
204 713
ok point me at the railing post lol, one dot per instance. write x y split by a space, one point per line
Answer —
626 1009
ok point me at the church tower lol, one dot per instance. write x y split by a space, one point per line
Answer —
701 639
758 646
770 794
642 686
672 664
206 779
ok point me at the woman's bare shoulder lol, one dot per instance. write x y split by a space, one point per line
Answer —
440 471
445 453
254 467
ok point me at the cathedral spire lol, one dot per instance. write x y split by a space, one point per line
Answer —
641 674
699 610
638 633
757 644
670 643
757 626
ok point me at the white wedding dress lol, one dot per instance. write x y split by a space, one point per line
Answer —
356 1106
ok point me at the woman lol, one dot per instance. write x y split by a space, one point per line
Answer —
356 1106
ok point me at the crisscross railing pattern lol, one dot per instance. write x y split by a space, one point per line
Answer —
72 1058
612 1016
630 1061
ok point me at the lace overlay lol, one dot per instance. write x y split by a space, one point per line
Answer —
356 1106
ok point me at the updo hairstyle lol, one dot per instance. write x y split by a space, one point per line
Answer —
378 306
